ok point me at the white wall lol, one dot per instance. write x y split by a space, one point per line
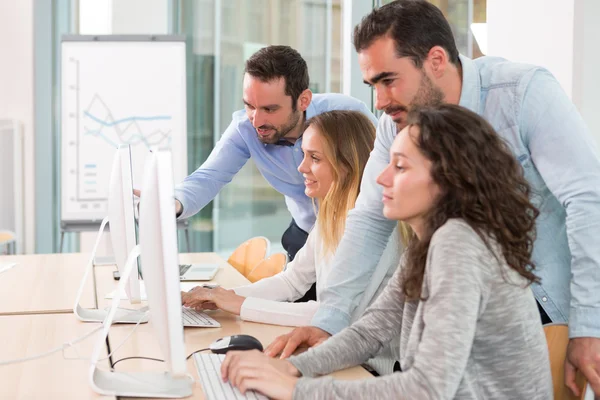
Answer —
586 80
140 16
534 31
16 92
560 35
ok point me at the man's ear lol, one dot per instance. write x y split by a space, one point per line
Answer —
438 60
304 100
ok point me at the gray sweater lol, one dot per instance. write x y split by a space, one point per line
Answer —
477 336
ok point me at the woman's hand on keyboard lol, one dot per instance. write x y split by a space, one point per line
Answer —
200 299
253 370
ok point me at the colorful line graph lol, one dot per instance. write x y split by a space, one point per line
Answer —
100 122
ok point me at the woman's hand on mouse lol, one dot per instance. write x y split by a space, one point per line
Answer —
200 298
253 370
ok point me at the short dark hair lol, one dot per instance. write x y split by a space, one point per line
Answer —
274 62
415 26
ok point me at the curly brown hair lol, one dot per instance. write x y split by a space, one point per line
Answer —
480 182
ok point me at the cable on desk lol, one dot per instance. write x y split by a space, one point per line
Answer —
197 351
128 335
62 348
153 359
142 358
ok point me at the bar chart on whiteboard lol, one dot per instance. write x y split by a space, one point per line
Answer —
117 93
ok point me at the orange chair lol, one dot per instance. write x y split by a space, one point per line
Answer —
557 338
249 254
8 242
268 267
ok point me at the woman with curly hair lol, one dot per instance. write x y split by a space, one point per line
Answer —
460 304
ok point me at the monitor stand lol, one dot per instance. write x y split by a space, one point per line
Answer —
123 315
132 384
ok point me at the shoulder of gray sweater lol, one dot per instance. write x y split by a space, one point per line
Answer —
457 234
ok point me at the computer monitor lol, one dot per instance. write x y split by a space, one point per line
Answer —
121 217
121 220
159 259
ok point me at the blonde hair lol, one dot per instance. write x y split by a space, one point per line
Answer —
348 137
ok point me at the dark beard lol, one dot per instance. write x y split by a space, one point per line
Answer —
282 131
427 95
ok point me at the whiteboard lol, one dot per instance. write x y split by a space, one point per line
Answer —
118 90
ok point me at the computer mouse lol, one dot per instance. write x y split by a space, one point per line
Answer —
235 342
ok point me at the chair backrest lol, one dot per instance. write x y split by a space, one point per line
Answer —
249 254
557 338
8 241
268 267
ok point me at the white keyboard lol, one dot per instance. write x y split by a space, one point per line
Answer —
209 370
194 318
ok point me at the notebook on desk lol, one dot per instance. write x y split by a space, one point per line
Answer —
197 271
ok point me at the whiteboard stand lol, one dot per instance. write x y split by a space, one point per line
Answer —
93 226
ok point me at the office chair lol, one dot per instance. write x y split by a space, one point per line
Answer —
557 338
8 241
268 267
249 254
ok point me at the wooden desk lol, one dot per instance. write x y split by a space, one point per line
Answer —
45 283
144 343
51 377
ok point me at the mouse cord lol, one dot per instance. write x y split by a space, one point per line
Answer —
131 358
197 351
154 359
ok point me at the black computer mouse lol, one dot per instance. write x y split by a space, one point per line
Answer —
235 342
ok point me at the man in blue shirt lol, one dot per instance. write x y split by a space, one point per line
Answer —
277 104
408 54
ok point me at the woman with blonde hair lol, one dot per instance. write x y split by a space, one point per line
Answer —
336 148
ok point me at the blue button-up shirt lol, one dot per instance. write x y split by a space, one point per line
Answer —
278 164
529 109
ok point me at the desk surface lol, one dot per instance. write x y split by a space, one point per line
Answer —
51 377
144 343
45 283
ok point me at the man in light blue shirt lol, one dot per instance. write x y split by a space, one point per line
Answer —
277 104
407 53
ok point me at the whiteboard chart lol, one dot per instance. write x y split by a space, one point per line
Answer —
118 90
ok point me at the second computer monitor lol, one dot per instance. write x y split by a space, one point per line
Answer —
160 258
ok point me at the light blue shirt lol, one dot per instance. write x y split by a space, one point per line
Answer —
529 109
278 164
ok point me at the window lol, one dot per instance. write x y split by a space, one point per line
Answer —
461 14
222 34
